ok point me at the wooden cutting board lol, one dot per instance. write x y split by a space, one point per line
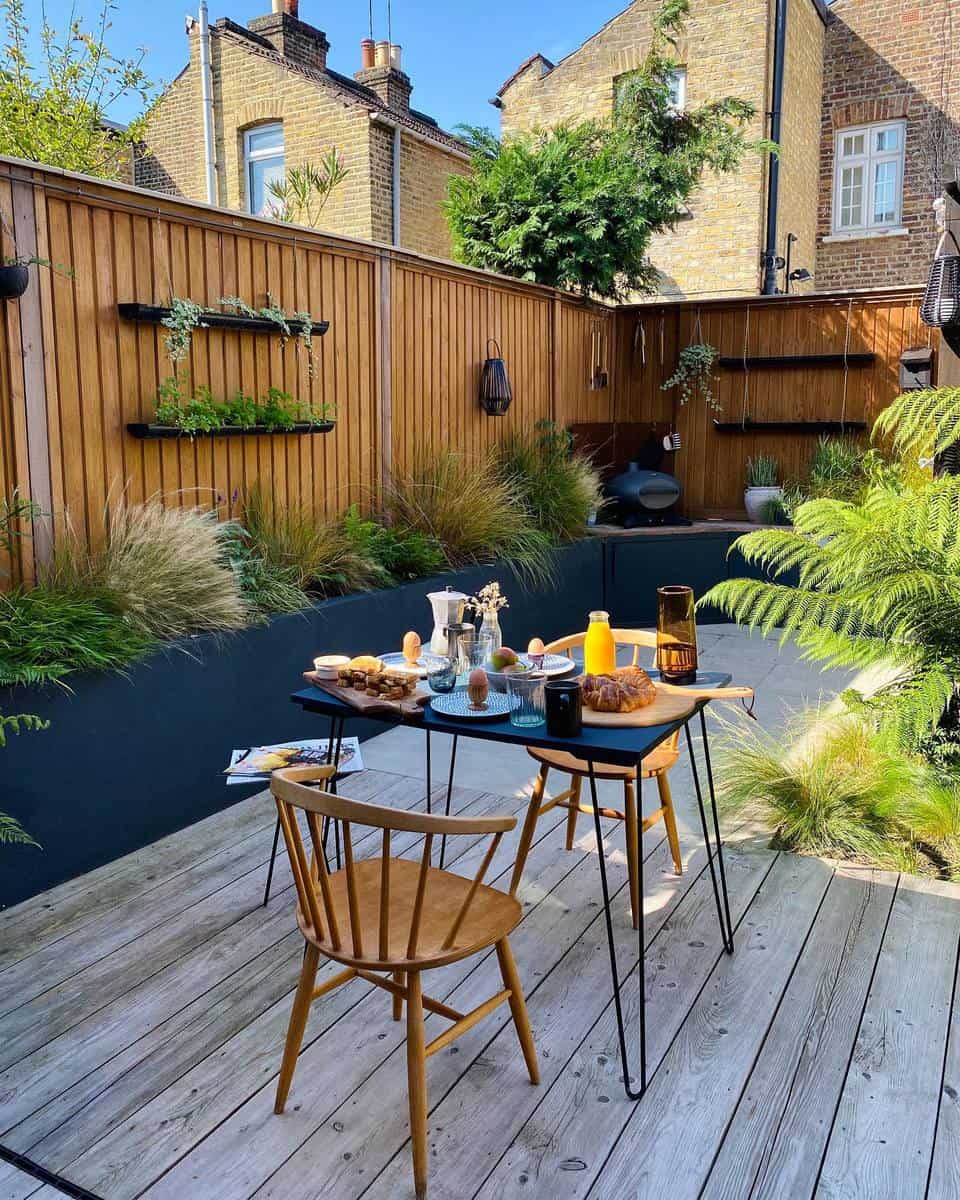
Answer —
670 705
411 707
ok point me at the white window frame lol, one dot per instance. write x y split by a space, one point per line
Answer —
869 160
679 75
250 157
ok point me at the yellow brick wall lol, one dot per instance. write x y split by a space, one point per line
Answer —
723 51
250 90
800 137
424 172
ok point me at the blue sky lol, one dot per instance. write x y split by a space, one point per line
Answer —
457 52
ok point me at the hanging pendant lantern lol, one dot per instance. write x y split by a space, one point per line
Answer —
941 301
495 393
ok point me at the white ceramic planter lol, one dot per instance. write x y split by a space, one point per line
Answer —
755 498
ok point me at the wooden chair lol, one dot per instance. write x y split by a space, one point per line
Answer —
395 916
654 766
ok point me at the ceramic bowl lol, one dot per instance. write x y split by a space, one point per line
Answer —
327 665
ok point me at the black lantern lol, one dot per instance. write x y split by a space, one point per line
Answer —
495 393
941 301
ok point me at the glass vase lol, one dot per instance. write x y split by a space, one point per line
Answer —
676 635
491 636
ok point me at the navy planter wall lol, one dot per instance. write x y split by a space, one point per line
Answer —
129 759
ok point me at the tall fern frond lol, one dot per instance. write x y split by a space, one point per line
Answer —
921 422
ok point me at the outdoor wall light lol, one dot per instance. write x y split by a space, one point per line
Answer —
495 392
941 300
800 275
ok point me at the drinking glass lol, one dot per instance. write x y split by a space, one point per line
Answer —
526 699
676 635
443 677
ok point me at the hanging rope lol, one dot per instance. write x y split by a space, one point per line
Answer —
846 367
746 371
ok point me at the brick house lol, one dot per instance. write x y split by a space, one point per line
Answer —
868 79
275 102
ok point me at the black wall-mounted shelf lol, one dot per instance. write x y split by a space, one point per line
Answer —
148 432
153 314
752 363
789 426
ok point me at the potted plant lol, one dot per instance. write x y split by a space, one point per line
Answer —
762 487
14 268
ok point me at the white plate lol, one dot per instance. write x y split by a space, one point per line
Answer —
426 663
457 704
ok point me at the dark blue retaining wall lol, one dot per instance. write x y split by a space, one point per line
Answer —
129 759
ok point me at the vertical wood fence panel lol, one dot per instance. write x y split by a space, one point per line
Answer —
401 360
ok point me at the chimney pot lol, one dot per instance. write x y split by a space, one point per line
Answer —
395 52
382 58
292 7
366 54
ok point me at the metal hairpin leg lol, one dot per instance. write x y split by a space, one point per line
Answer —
716 868
632 1094
446 808
273 859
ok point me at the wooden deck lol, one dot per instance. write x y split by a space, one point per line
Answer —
142 1012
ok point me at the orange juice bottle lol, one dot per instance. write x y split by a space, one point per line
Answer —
599 648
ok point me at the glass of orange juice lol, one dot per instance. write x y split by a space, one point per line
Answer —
599 648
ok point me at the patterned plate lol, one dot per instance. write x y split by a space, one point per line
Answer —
456 704
426 663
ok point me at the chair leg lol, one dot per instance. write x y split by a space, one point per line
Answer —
573 812
518 1007
529 825
670 820
633 848
399 977
298 1023
417 1082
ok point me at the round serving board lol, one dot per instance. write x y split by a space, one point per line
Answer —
668 706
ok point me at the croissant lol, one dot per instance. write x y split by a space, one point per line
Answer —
626 690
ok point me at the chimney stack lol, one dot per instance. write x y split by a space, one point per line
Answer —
381 73
291 37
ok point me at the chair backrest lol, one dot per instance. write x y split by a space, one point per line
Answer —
312 877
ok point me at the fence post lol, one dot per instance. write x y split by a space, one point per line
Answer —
34 380
384 371
555 375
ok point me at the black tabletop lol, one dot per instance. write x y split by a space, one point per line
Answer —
619 746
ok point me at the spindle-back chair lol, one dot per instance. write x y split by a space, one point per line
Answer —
654 766
395 916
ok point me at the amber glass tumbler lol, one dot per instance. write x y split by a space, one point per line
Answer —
676 635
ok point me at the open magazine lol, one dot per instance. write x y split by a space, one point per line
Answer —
254 765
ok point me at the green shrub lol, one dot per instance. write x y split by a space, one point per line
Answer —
559 487
316 555
826 785
48 633
161 568
475 514
403 554
267 587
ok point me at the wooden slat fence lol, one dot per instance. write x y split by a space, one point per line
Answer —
401 360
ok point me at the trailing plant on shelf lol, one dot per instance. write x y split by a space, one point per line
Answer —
693 374
299 323
185 316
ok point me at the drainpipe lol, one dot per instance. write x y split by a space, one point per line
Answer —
206 100
396 185
769 286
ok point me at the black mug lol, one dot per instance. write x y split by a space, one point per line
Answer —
564 708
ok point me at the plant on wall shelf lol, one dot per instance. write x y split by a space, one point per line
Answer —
299 323
185 316
693 374
201 413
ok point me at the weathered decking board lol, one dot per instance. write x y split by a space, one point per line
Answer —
142 1016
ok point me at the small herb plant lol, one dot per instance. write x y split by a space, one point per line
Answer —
762 471
201 413
693 374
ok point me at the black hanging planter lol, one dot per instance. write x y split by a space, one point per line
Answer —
940 307
495 392
13 281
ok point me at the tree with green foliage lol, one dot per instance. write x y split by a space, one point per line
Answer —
875 580
54 111
577 205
